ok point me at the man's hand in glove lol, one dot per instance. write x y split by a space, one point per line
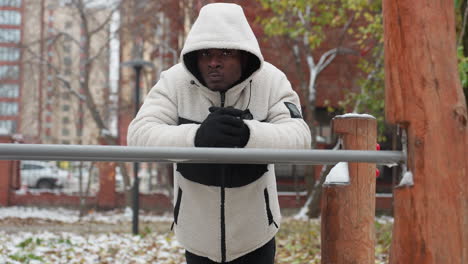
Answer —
223 127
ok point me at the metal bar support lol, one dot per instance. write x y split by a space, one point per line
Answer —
194 155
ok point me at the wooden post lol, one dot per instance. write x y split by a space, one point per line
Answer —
348 212
107 196
424 95
6 175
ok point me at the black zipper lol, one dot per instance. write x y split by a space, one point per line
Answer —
223 97
268 209
177 207
223 216
223 197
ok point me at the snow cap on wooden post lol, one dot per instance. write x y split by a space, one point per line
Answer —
348 211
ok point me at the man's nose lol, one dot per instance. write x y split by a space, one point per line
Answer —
215 62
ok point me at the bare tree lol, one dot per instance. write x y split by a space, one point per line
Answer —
74 54
303 56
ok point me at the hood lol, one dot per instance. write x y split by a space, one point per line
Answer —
222 26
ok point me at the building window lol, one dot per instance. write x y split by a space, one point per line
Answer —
7 126
10 35
12 3
8 109
68 24
65 2
9 54
66 120
8 17
9 90
66 48
67 61
65 132
9 72
66 142
66 108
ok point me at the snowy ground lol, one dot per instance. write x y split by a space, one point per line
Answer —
31 235
40 243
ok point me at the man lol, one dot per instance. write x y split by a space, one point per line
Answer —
223 94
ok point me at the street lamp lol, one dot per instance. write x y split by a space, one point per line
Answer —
137 66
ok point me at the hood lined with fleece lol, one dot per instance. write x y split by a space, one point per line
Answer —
222 26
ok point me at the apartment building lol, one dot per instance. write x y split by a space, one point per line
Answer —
11 21
60 66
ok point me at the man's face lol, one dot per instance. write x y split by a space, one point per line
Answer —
220 68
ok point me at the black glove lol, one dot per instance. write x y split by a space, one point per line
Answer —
222 128
241 114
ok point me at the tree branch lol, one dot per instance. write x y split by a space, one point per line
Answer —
371 75
69 37
330 55
345 28
326 59
68 86
100 50
105 22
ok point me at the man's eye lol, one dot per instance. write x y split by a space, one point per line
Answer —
205 53
227 53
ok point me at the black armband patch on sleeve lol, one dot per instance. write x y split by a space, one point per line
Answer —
295 113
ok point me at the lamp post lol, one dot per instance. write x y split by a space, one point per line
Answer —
137 66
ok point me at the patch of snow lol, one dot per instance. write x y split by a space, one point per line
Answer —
355 115
384 219
125 248
72 216
320 139
407 179
66 247
391 165
339 175
106 132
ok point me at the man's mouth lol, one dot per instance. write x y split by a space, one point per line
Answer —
215 76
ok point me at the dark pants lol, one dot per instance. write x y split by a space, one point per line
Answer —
263 255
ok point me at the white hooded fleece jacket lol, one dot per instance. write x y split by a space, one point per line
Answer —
222 211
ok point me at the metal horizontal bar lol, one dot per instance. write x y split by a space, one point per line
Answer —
193 155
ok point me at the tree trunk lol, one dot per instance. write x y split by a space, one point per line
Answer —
424 94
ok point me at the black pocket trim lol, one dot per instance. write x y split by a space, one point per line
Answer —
295 113
268 209
177 205
235 175
183 121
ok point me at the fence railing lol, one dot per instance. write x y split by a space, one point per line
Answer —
348 211
193 155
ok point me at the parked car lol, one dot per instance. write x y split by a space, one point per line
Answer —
42 175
